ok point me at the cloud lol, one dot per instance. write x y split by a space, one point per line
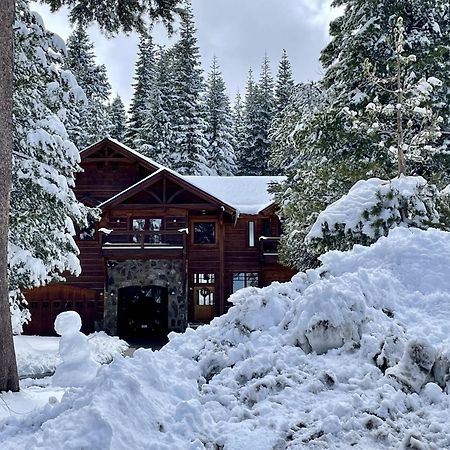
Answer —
238 32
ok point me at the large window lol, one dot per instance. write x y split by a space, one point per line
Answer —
204 233
245 279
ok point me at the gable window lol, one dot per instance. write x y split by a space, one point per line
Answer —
204 233
251 234
244 279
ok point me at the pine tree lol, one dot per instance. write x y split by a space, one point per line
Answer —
244 155
90 121
144 80
219 131
118 119
43 206
189 126
285 83
112 16
157 136
336 152
260 109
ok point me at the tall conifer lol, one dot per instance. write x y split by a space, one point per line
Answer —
89 122
189 126
219 131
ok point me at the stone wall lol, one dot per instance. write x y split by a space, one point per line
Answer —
164 272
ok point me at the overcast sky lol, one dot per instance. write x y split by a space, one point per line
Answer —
238 32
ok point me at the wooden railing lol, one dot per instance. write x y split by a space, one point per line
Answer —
144 239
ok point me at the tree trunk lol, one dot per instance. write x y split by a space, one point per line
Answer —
9 380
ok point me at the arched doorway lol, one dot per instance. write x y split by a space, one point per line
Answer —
142 311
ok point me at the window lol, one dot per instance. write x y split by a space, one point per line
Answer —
267 228
204 296
251 234
138 225
204 278
152 225
204 233
244 279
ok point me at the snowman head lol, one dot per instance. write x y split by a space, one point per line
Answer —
68 323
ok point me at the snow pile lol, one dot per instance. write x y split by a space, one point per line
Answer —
372 208
39 354
77 367
354 354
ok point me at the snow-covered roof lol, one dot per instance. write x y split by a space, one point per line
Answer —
248 195
245 194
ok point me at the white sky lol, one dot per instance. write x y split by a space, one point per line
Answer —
238 32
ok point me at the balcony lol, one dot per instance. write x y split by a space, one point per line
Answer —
131 243
269 249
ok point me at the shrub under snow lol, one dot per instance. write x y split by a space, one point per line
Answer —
371 209
354 354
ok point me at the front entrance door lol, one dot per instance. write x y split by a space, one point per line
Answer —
142 311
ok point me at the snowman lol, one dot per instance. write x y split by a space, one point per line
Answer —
77 367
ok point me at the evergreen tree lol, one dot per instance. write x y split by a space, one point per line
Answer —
144 80
219 131
337 152
43 206
111 16
260 109
245 158
157 135
89 122
285 83
189 126
118 119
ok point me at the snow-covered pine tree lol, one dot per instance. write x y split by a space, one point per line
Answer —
144 80
338 153
118 119
219 131
243 153
189 127
43 206
157 136
89 122
260 110
284 84
404 123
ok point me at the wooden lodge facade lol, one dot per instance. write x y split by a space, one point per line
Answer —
168 251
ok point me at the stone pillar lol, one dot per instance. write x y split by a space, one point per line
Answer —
166 273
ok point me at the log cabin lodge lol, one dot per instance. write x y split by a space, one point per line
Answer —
168 251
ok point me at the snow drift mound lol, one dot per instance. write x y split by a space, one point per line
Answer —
354 354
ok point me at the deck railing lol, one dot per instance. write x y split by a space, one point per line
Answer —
144 239
269 246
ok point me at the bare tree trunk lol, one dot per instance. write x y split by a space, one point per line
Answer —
9 380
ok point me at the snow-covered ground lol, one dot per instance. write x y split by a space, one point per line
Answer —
354 354
40 354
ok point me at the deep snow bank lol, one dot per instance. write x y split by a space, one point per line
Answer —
351 355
